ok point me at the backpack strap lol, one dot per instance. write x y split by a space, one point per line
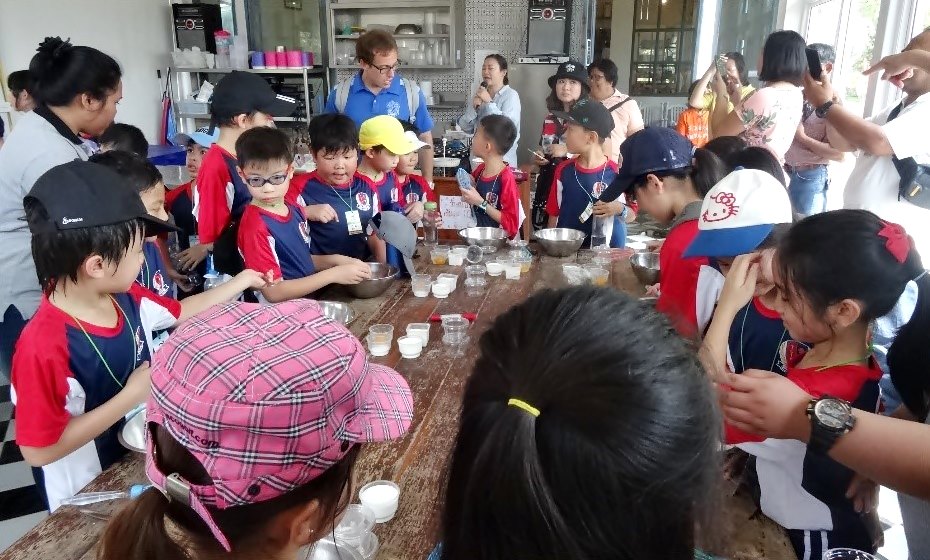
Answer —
342 94
618 105
413 98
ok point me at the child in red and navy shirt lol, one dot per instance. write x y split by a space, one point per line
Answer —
241 100
495 198
411 190
273 233
340 203
383 143
81 363
580 181
668 177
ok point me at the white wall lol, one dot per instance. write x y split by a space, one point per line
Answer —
621 40
137 33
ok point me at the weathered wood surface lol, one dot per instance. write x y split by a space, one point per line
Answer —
418 461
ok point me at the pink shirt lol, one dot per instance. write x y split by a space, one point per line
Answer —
770 117
815 128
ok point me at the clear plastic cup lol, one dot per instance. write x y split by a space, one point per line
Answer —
377 347
495 268
420 284
525 262
846 554
455 329
574 274
456 259
382 333
451 280
512 269
599 276
356 524
475 275
439 255
420 330
474 255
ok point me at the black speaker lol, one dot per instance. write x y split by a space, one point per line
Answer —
195 24
549 26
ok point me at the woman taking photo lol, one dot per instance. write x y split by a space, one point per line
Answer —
494 97
568 85
76 90
769 117
623 108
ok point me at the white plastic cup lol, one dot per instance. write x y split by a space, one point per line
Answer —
450 280
495 268
410 346
420 330
456 259
382 497
440 289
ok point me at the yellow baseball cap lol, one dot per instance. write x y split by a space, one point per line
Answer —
385 130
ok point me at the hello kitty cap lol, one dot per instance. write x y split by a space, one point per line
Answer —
739 213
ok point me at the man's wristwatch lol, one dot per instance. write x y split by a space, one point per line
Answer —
830 418
483 205
821 111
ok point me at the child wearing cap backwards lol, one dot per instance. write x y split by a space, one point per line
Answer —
837 274
579 181
273 232
495 198
411 190
340 202
539 434
82 361
179 201
383 142
668 177
255 462
241 100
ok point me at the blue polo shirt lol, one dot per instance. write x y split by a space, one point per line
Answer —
363 104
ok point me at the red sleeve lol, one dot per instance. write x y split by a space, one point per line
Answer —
173 194
171 305
424 184
296 188
40 384
510 203
255 246
552 203
842 382
677 297
212 206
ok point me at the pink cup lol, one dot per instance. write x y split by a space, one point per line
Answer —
293 59
271 59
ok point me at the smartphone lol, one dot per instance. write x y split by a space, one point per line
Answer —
535 153
813 63
722 66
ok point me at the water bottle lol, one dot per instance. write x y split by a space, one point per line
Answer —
430 231
223 42
212 278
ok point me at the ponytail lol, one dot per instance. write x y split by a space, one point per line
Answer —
909 355
706 171
61 71
138 531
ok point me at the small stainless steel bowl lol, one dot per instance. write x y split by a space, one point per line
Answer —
489 239
646 266
338 311
560 242
382 276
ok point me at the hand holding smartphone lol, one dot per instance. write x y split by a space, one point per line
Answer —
814 66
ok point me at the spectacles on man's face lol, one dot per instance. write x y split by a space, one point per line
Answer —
257 181
386 69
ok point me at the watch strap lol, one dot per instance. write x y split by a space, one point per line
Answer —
824 437
822 110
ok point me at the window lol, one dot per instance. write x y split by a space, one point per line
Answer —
663 46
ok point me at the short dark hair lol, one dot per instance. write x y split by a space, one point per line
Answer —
409 127
333 133
263 145
608 68
757 157
139 173
559 481
723 146
61 71
501 130
783 58
19 81
502 62
60 254
125 137
376 41
740 62
826 52
706 171
692 86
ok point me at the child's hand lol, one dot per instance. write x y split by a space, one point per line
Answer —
472 196
740 284
602 208
323 213
863 493
352 273
540 160
654 290
414 212
254 279
180 280
139 384
190 258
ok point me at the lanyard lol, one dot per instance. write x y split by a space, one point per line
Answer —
580 186
146 274
132 338
348 204
491 190
849 363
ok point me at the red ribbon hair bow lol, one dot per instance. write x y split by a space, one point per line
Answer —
897 241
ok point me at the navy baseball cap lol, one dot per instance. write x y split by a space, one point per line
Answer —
654 148
244 92
590 114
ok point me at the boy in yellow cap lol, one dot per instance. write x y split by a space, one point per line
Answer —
383 141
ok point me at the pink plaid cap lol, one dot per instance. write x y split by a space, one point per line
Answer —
267 398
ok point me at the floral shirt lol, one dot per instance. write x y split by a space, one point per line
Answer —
770 117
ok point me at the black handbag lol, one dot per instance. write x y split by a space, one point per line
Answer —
914 186
226 256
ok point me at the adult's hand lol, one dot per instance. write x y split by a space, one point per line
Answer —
818 93
558 150
765 403
898 67
483 95
193 256
719 86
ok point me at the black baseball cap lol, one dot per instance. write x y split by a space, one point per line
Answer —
244 92
652 149
592 115
81 194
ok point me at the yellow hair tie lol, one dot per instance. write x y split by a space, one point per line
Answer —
524 406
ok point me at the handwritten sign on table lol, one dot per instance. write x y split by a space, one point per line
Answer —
456 214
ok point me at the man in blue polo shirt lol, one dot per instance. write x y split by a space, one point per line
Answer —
378 90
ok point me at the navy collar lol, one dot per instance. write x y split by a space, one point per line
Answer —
59 125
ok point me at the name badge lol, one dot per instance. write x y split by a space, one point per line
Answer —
587 213
353 222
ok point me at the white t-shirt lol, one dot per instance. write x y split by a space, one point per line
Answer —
873 184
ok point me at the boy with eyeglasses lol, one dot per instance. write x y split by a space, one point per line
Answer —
273 234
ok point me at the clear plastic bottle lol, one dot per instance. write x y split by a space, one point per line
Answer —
212 278
430 230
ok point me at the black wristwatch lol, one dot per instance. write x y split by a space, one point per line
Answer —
830 418
822 110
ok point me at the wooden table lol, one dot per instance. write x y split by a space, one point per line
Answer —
418 461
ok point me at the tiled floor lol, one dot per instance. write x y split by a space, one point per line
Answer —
21 507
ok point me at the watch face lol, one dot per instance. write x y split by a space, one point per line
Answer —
832 413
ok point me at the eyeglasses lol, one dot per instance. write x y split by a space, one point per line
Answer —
386 69
257 182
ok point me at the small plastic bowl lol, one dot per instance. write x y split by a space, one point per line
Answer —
440 290
410 346
495 268
450 280
456 259
382 501
599 276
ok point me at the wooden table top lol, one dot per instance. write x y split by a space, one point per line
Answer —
417 463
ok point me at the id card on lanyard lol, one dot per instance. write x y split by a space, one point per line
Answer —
353 219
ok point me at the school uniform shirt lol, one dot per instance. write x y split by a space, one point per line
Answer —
500 191
221 194
154 273
757 339
387 195
412 189
574 188
179 202
804 491
59 373
679 276
280 244
334 238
